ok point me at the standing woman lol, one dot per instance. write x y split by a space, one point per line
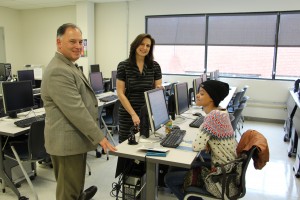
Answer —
136 75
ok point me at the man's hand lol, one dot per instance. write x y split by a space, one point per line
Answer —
105 144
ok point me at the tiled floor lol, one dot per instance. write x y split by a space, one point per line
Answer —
276 181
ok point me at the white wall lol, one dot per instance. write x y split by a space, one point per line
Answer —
30 38
10 20
39 33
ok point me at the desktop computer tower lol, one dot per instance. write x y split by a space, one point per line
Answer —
5 71
14 171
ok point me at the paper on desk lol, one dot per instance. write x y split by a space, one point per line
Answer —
185 145
153 148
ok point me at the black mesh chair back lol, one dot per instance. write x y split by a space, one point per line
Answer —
36 141
249 155
192 192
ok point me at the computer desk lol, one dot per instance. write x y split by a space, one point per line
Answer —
8 128
183 156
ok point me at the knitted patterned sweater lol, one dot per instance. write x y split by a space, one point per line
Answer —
216 133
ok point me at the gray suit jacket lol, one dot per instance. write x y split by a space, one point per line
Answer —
71 125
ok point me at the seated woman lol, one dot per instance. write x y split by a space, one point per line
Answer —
215 134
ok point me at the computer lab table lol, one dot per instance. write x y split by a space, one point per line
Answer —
8 128
182 156
175 156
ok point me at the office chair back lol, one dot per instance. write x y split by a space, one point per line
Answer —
244 160
36 141
237 114
245 165
235 102
115 120
244 91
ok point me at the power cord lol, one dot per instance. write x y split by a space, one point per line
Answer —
117 186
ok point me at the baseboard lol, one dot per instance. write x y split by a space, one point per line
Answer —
257 119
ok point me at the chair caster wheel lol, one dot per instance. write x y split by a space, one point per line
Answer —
98 154
289 154
23 198
18 185
90 173
3 190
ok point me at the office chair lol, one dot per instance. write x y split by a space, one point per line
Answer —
244 92
235 102
31 150
112 121
237 114
225 179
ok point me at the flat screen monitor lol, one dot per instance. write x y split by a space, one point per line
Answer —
113 80
17 96
181 97
96 81
95 68
157 108
26 75
196 85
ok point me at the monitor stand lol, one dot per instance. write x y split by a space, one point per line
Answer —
179 119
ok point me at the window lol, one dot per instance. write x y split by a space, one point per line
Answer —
250 45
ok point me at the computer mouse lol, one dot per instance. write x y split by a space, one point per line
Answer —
197 114
175 127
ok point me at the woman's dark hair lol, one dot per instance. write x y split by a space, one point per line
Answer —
136 43
62 29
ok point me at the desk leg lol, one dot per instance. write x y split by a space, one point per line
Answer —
3 175
151 181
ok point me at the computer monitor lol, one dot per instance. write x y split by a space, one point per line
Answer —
181 97
196 85
96 81
5 71
26 75
113 80
17 96
95 68
157 108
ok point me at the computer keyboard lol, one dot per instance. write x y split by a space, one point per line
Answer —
108 98
197 122
173 139
28 121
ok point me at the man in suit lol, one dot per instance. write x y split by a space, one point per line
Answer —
71 128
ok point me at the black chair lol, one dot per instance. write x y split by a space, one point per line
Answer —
31 150
193 192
